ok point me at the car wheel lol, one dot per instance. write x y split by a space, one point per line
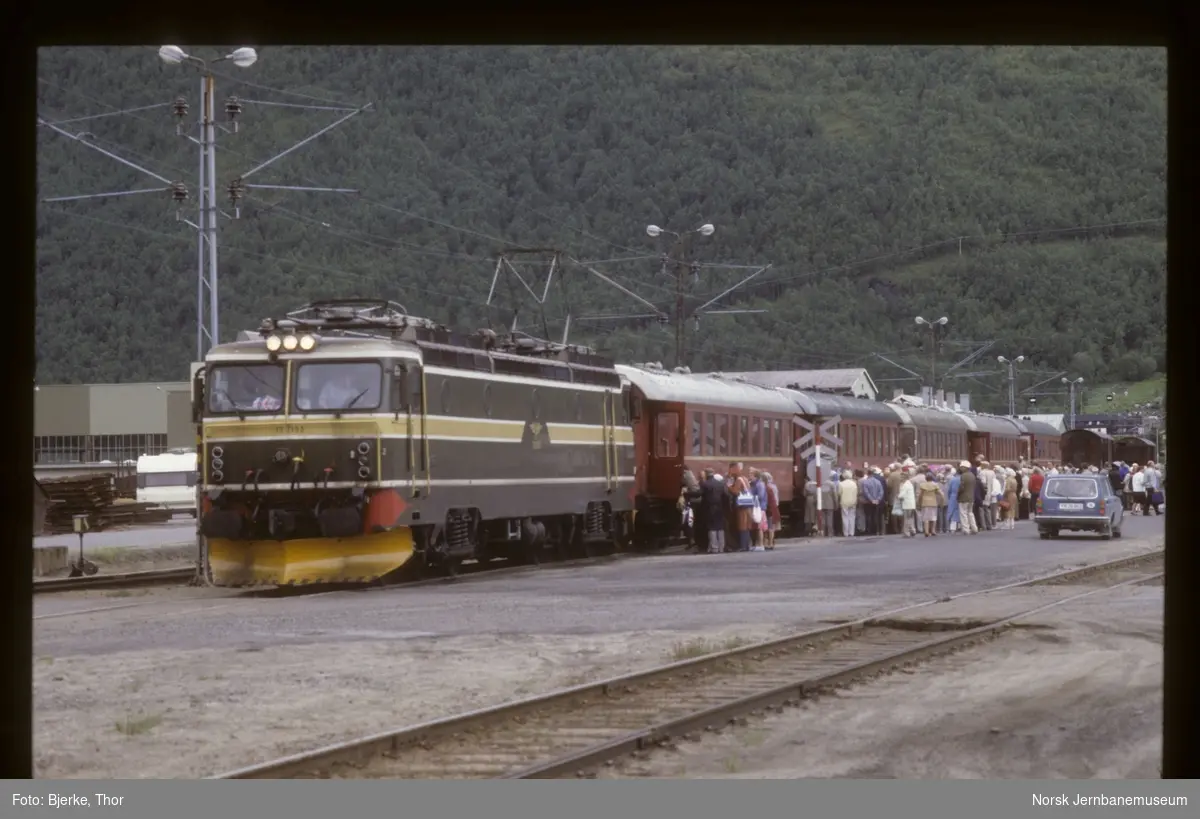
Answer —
1107 534
1043 534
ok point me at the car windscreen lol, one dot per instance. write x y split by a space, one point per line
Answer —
1070 489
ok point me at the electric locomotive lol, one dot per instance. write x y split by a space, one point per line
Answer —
349 440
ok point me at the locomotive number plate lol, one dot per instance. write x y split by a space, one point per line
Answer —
289 429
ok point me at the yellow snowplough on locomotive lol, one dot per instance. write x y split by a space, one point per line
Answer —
347 440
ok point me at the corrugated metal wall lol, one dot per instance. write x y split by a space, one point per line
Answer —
114 409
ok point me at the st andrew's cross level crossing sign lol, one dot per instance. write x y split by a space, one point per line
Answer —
805 444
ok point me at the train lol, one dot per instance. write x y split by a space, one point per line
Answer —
348 440
697 421
1097 446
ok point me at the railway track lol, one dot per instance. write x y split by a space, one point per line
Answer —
124 580
568 733
185 576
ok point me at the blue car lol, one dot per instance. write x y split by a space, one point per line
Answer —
1079 503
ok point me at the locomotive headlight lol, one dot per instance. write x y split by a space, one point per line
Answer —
307 342
290 343
274 343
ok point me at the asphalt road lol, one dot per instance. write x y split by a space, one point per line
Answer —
175 532
799 583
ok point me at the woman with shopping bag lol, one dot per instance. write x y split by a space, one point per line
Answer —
744 503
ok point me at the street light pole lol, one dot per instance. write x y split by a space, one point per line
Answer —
1012 381
681 264
934 327
1071 384
206 273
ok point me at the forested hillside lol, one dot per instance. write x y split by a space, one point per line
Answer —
834 165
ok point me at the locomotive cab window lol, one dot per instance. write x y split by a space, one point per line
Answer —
331 387
244 388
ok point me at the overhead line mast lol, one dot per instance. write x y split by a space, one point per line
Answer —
206 226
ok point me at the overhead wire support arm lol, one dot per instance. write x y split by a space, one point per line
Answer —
306 140
622 288
91 117
299 105
302 189
621 317
105 195
982 349
894 364
731 289
83 141
1043 381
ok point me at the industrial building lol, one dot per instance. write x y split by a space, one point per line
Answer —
76 427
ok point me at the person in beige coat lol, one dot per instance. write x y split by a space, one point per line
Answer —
928 492
1009 504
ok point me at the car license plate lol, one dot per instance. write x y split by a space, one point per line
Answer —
1071 506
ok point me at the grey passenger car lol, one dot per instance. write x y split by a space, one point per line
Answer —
1079 503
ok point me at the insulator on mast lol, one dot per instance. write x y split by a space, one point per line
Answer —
181 109
233 107
237 190
179 193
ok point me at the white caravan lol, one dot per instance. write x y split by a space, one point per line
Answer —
168 480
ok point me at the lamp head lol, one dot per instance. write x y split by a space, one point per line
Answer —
172 55
243 57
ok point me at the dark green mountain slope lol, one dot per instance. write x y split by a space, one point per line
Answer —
807 158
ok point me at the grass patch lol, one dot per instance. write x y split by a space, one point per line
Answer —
732 764
754 738
701 647
1126 395
135 726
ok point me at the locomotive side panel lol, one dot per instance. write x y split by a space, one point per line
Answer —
537 448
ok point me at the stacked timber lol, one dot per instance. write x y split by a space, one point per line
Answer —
94 496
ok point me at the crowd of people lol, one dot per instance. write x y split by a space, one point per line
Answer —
740 511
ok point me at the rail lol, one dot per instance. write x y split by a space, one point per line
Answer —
566 732
156 577
465 574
